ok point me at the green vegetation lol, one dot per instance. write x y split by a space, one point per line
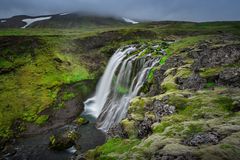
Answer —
81 121
116 145
68 96
38 75
41 119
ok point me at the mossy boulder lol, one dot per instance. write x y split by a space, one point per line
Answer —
129 126
63 140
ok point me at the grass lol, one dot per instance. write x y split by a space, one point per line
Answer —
115 145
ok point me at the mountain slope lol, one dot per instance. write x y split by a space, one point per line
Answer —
71 20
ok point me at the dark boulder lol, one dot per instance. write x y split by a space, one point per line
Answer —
194 82
211 57
230 76
63 141
116 131
186 156
203 138
161 109
144 128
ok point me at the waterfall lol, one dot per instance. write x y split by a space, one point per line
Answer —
123 78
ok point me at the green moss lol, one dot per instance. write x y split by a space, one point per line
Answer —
68 96
129 127
168 83
42 119
224 102
136 109
210 85
81 121
116 145
208 72
164 58
193 129
161 127
184 71
52 140
151 74
226 146
178 100
187 42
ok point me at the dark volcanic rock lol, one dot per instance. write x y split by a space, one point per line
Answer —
203 138
186 156
63 141
158 77
161 109
230 76
194 82
144 128
104 38
8 151
208 57
116 131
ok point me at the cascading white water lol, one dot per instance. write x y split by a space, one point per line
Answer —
121 81
94 105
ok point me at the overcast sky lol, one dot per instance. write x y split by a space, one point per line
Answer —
191 10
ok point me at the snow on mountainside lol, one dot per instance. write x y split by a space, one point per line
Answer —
129 20
29 21
65 20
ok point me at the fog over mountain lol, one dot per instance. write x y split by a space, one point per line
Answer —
191 10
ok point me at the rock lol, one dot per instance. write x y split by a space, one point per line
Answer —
230 76
8 151
81 121
116 131
158 76
203 138
63 141
186 156
161 109
208 57
152 113
79 157
194 82
58 60
144 128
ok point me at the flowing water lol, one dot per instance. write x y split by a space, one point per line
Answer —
122 80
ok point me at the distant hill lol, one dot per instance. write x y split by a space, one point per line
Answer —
65 20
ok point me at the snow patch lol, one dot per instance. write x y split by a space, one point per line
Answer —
3 21
29 21
130 21
63 14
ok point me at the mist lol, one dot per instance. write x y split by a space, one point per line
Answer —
184 10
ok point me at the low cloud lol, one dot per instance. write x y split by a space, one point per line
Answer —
189 10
